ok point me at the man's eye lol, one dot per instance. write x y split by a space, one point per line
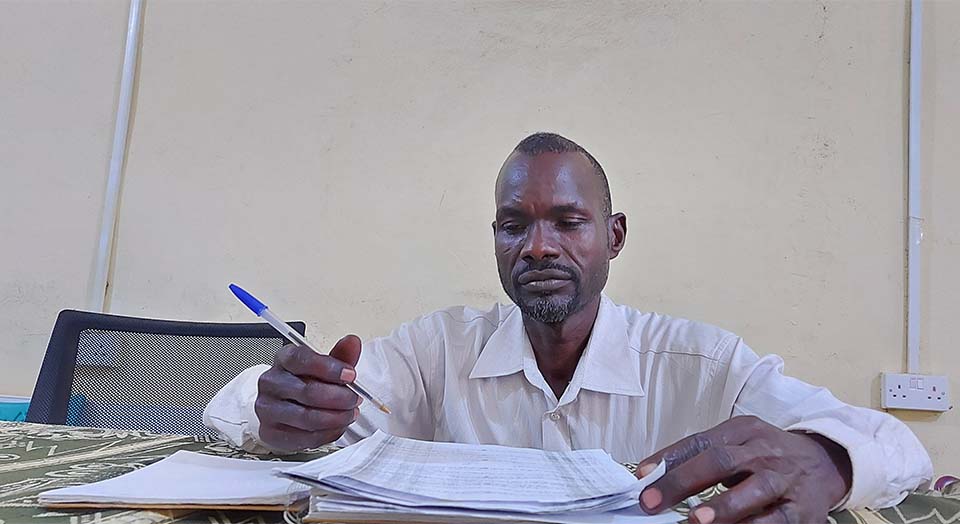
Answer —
511 228
570 224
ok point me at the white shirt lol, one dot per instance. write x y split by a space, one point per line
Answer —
644 381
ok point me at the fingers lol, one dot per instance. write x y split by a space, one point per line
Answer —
704 470
308 419
303 362
754 496
680 452
733 432
290 426
347 350
310 393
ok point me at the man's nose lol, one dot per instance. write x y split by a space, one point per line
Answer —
540 244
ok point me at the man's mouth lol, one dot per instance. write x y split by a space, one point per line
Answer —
543 280
541 275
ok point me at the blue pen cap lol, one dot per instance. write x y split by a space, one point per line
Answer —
249 300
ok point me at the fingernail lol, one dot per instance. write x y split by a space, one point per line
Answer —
704 514
359 401
651 498
356 413
647 469
347 375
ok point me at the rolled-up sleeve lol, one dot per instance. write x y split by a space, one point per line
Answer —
232 414
887 458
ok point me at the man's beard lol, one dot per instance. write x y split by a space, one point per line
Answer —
548 309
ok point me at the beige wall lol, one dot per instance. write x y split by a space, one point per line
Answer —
940 331
59 80
338 159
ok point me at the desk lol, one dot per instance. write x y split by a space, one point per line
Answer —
37 457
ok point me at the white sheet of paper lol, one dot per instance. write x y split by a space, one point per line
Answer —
189 478
403 478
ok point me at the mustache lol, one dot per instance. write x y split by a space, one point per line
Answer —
569 271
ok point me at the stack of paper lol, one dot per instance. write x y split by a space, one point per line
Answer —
391 479
188 480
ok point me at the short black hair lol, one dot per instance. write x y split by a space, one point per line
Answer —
543 142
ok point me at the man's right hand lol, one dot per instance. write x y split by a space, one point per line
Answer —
302 401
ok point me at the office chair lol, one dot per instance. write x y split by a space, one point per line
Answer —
110 371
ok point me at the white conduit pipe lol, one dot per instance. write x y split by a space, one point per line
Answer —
915 232
100 284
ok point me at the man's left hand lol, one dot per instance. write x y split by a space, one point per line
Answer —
774 476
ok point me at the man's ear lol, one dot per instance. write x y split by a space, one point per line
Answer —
616 233
494 226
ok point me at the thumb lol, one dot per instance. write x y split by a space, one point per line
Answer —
347 350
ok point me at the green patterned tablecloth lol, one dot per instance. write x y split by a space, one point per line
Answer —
36 457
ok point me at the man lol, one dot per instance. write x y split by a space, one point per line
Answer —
566 368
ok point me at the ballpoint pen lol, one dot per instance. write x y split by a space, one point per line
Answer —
286 330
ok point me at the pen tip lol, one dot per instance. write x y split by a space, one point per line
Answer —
385 409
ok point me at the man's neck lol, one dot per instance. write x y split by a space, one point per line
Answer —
558 347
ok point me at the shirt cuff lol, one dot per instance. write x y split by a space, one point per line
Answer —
232 412
866 479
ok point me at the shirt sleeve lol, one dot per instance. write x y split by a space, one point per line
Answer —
393 368
888 461
231 411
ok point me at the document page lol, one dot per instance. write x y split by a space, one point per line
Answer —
462 472
384 472
189 478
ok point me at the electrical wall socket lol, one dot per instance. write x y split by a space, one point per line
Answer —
911 391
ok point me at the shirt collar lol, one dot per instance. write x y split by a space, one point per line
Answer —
503 352
608 364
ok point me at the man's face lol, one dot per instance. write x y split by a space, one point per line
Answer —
551 236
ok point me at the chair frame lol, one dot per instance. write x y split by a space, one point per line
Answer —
51 395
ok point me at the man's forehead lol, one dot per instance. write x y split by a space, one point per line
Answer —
565 177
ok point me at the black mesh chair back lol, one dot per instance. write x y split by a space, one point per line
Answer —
110 371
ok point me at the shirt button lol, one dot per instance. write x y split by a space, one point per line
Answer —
554 416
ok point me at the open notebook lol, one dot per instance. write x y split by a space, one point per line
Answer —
187 480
